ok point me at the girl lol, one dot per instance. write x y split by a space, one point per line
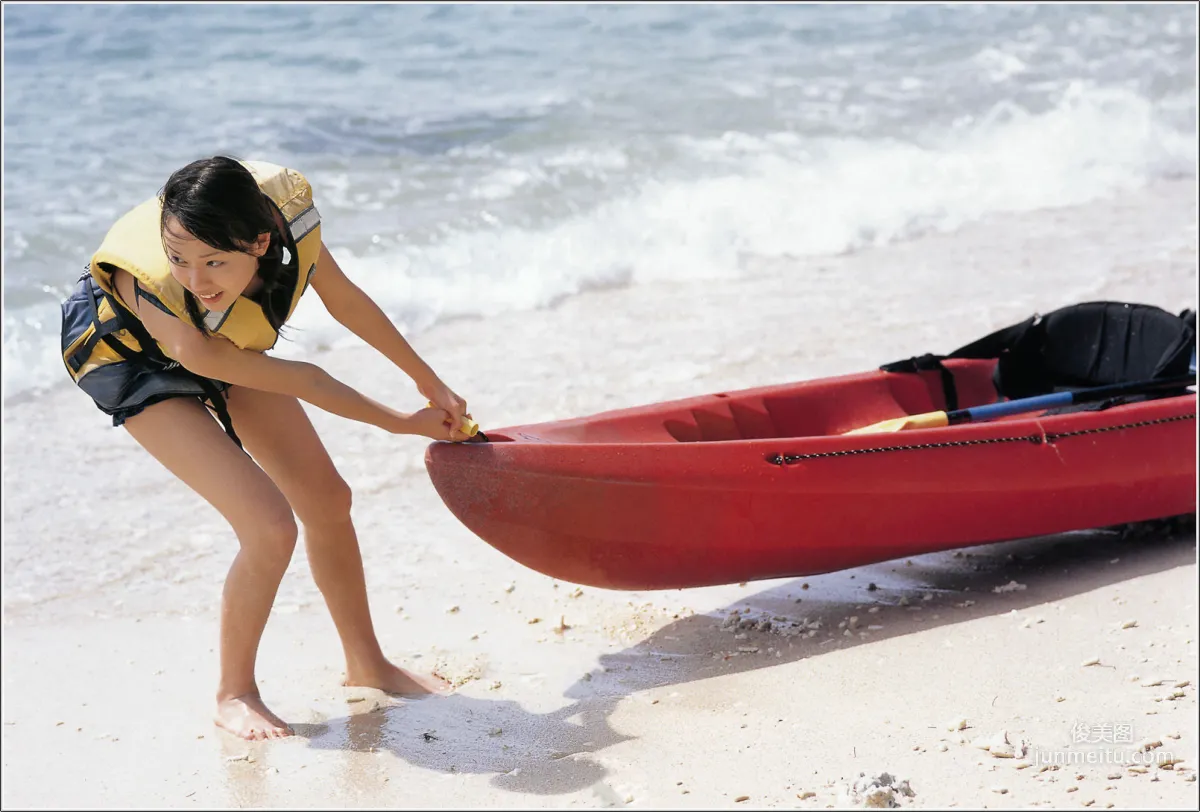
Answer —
174 314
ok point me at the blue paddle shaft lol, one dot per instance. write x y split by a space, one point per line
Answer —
1031 404
994 410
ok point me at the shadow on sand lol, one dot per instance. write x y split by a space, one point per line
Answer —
560 752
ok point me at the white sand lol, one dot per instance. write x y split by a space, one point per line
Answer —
648 699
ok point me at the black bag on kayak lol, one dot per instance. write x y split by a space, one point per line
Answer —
1079 346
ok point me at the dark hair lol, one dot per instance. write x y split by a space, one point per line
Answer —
218 202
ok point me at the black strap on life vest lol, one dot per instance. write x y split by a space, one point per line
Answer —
152 355
1082 345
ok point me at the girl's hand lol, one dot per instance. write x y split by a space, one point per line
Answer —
433 423
443 397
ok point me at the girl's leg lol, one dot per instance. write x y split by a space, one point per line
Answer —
182 435
277 432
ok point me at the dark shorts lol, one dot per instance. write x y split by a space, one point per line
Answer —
165 385
125 388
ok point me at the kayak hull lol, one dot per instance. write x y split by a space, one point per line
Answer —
762 483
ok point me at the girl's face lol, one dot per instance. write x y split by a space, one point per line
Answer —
216 277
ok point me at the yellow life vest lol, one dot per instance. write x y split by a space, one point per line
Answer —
134 244
100 331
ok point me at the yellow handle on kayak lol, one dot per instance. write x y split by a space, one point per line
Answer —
469 425
929 420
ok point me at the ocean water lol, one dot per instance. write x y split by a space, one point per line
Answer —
479 159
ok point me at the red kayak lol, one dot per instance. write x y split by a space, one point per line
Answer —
764 483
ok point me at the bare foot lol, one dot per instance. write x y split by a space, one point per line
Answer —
247 717
396 680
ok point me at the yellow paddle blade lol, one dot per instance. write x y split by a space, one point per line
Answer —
929 420
469 425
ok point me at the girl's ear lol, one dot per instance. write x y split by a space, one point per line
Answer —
260 245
